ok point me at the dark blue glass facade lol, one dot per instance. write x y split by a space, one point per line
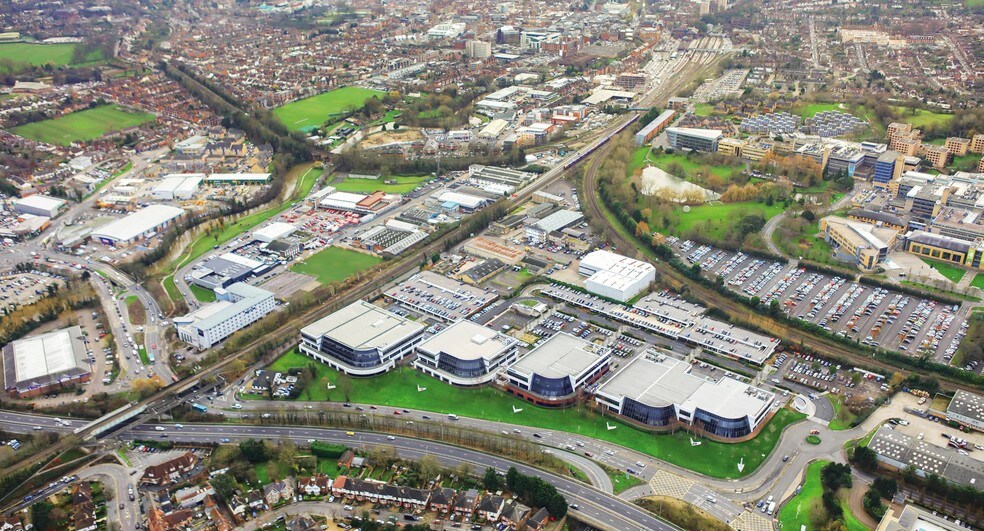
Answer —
551 387
648 415
721 426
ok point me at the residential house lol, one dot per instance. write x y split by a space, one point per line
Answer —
490 507
302 523
279 491
345 461
314 485
11 523
514 513
405 497
254 499
466 503
215 514
83 510
237 505
539 520
158 521
442 499
170 471
192 496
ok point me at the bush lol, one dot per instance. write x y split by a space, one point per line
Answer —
328 451
873 504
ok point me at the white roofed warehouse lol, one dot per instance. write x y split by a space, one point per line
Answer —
615 276
657 391
466 354
35 365
555 373
361 339
39 205
137 225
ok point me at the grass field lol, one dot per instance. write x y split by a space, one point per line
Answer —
690 167
399 388
842 416
951 272
82 126
202 294
404 184
796 512
805 244
720 217
978 281
314 111
334 264
621 481
23 54
922 117
810 110
703 109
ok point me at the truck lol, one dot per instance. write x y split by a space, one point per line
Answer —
772 508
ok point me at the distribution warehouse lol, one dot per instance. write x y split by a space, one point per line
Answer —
34 365
360 339
136 225
615 276
235 308
39 205
656 390
466 353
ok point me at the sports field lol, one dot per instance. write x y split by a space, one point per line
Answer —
796 512
399 388
951 272
335 264
83 126
314 111
23 54
404 184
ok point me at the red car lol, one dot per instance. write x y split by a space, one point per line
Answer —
395 412
815 432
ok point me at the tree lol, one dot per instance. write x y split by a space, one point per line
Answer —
809 216
145 387
886 487
430 467
224 485
491 480
865 458
463 470
255 451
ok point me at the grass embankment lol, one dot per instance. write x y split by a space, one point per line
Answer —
681 513
398 388
403 184
843 417
82 126
978 281
950 271
206 242
136 310
621 480
314 111
334 264
202 294
797 511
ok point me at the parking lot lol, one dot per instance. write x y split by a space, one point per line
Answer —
440 296
871 315
26 288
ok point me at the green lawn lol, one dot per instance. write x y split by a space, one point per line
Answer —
642 156
328 467
810 110
142 351
22 54
314 111
335 264
922 117
404 184
796 512
806 244
842 416
718 218
703 109
202 294
978 281
83 126
621 480
951 272
398 388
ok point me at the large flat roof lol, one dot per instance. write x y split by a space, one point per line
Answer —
40 201
136 223
361 325
45 357
218 312
927 457
967 404
467 340
559 356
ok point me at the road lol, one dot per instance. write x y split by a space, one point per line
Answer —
603 508
770 226
119 478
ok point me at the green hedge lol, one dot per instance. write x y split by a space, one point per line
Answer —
328 451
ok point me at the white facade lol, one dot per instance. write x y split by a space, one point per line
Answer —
615 276
136 225
177 187
237 307
39 205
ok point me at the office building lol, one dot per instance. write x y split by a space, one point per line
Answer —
661 392
912 518
885 168
555 373
615 276
35 365
466 354
235 308
686 138
655 127
225 270
957 146
952 250
862 244
478 49
360 339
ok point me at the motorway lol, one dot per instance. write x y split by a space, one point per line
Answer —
595 504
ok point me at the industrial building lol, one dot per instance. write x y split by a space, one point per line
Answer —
615 276
463 202
967 409
137 225
177 187
224 270
693 139
373 203
900 451
466 354
38 205
238 178
555 373
274 231
361 339
35 365
497 180
912 518
538 230
658 391
391 238
235 308
862 244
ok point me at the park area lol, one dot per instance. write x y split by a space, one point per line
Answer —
397 184
19 55
399 388
314 111
802 509
82 126
691 168
335 264
714 220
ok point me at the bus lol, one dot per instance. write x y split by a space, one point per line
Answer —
150 356
199 408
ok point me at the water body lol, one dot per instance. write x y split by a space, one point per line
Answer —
657 182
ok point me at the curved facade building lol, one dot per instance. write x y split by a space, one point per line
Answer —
556 372
361 339
466 354
661 392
